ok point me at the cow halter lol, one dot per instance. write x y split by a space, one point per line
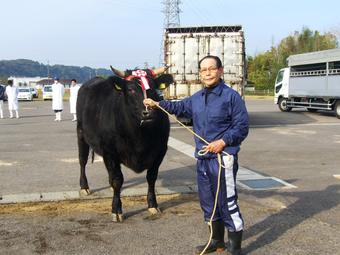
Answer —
141 74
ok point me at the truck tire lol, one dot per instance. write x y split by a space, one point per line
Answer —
283 105
337 109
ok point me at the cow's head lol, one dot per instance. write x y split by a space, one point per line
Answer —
135 85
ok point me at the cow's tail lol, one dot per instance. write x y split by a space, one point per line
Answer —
92 155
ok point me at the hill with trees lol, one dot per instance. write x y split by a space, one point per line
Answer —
262 68
29 68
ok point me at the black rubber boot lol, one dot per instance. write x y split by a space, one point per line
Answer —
217 241
234 242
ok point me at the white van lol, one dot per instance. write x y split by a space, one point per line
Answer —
47 92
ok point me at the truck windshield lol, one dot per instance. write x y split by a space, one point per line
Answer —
279 77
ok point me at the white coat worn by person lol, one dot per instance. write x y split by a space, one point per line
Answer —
58 91
73 98
12 99
2 98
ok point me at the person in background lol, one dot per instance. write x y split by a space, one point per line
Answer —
57 98
219 116
73 98
2 98
12 99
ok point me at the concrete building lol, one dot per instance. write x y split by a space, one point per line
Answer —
31 82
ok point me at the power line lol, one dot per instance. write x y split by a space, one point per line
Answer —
202 17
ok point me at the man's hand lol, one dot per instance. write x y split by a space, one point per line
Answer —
150 103
215 146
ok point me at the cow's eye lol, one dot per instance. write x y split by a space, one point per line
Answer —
131 91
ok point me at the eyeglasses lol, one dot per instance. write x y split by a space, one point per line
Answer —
210 69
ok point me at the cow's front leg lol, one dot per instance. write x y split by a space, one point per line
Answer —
116 180
151 177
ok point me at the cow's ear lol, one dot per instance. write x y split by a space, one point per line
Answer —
163 81
118 83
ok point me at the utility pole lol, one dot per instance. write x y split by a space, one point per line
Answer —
171 19
48 69
146 65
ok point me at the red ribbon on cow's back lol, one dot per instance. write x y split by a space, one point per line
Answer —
141 74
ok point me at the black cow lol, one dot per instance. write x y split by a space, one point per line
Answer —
114 123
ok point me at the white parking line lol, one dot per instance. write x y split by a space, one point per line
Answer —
76 160
280 125
4 163
295 125
243 173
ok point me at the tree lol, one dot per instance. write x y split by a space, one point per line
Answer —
262 68
3 80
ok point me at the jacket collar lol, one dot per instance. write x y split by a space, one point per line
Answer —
217 90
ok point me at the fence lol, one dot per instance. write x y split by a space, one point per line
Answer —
257 92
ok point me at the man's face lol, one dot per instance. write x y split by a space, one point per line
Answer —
210 74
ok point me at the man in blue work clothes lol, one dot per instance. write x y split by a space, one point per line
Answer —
219 116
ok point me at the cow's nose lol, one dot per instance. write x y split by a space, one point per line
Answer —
145 113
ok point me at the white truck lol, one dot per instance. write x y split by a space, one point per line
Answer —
311 81
185 46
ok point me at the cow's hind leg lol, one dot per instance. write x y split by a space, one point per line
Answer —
116 180
83 153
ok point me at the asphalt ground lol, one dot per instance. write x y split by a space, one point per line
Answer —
38 155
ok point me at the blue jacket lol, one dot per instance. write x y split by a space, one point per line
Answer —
2 93
217 113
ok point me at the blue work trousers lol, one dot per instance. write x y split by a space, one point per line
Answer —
207 177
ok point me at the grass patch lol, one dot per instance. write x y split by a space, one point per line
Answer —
258 97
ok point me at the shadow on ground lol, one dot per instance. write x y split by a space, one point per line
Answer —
307 205
286 118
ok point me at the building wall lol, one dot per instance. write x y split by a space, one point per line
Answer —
26 81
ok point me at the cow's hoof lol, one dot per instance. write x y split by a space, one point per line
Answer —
154 211
84 192
117 217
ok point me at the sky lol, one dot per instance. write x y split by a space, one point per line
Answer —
128 33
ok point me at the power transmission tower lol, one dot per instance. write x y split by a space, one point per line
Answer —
171 11
171 19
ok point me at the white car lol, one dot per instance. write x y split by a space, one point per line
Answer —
25 94
47 92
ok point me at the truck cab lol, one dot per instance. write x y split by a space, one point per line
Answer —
281 89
